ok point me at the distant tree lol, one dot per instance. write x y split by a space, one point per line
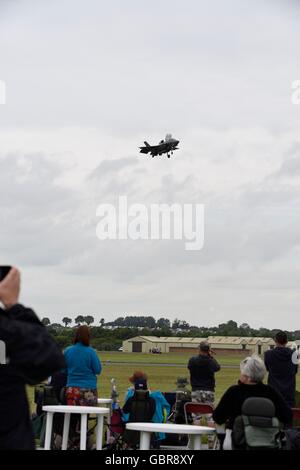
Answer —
232 323
245 329
264 333
148 322
79 319
184 325
134 322
180 324
67 321
46 321
163 323
56 326
118 322
245 326
88 319
228 329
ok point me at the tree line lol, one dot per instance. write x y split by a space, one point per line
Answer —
110 335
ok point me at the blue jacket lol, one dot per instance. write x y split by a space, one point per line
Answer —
83 365
162 409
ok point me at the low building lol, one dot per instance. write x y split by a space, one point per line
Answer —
221 344
145 344
240 345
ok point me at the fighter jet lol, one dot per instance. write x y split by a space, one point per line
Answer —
165 146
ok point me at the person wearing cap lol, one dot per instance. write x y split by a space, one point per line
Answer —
139 381
202 375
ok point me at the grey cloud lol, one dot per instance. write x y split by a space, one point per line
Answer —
112 166
219 77
290 167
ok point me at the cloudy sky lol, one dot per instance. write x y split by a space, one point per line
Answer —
86 83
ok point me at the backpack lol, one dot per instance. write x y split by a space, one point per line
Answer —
257 428
141 410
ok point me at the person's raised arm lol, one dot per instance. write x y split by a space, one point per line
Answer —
215 366
30 349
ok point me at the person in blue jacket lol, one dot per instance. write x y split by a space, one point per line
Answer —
83 366
162 409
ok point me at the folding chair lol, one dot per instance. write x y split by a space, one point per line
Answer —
203 410
296 416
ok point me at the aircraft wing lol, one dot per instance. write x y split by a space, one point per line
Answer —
153 149
145 149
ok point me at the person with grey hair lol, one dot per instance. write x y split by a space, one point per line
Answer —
250 384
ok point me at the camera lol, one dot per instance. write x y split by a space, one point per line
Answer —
4 270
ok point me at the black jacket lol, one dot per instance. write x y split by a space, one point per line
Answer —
230 405
32 355
202 372
282 372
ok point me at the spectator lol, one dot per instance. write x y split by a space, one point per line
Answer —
140 384
249 385
282 370
83 366
137 375
32 356
202 375
162 406
58 381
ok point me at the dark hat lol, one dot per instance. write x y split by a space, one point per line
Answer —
140 384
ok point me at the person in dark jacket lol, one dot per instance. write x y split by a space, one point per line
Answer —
202 375
31 356
282 370
250 385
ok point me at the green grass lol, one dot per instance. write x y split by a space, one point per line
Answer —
159 377
165 358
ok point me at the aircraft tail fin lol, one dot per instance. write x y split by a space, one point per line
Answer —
146 143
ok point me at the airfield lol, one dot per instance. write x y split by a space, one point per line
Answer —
162 371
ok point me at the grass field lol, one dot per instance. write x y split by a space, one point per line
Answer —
165 358
160 377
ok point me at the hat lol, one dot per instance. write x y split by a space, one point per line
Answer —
140 384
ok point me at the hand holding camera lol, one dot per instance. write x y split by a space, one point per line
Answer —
10 281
